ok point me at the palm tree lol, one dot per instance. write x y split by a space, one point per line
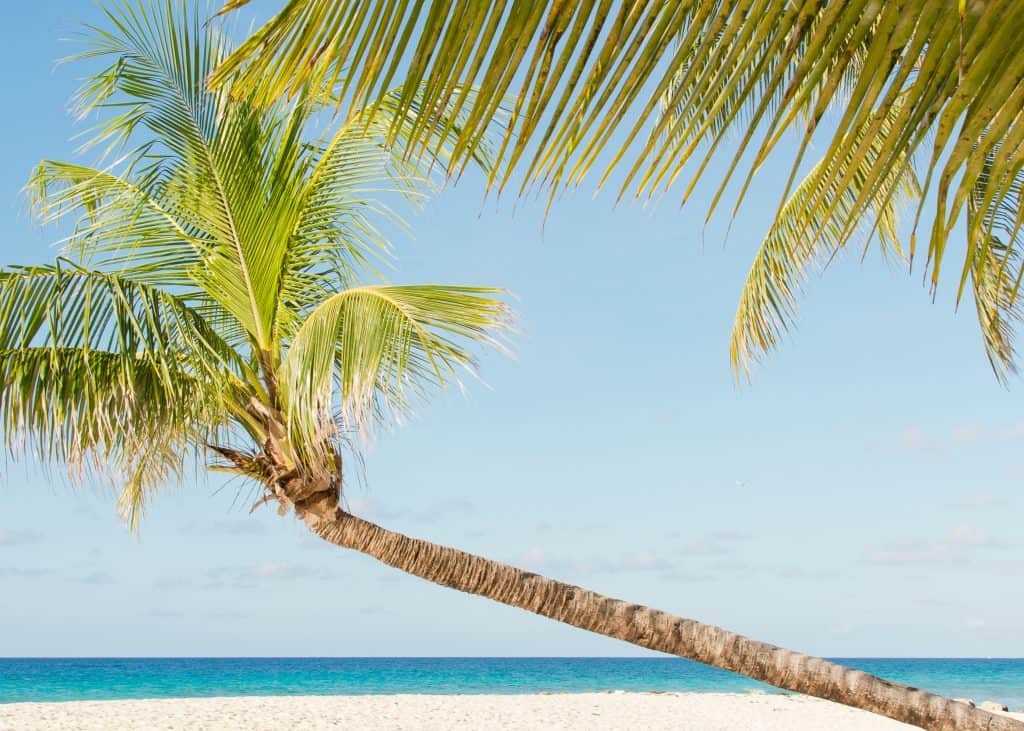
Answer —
920 90
915 90
210 308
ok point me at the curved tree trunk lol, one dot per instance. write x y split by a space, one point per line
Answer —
651 628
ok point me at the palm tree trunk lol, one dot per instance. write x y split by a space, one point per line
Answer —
651 628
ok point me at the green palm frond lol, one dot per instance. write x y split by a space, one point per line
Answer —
145 474
215 158
816 223
126 223
158 56
250 191
996 270
342 197
373 351
652 90
67 405
98 371
90 358
66 306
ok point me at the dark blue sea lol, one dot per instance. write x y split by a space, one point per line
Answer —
112 679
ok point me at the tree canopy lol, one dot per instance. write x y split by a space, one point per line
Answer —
219 293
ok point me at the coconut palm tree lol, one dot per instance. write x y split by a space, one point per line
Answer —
211 307
923 99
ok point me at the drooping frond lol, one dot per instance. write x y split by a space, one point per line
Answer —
407 121
145 473
68 404
690 116
91 360
370 352
815 224
996 270
97 371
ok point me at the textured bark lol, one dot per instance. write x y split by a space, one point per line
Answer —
650 628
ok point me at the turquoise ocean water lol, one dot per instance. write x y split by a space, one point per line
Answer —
111 678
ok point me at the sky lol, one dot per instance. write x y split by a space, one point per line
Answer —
859 497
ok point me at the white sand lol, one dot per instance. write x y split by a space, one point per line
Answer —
691 711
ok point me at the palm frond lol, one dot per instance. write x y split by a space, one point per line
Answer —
71 405
126 223
215 158
371 352
159 55
815 224
147 471
350 175
102 372
995 271
65 332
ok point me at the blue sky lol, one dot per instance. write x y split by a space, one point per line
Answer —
859 497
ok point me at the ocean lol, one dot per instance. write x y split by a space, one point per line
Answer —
25 679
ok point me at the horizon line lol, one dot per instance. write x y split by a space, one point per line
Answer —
467 657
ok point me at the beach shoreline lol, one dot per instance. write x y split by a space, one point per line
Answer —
614 710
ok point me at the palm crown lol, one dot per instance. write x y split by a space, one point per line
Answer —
211 295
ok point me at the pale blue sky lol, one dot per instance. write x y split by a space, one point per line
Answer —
860 497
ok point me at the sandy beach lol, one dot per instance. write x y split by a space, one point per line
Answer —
690 711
